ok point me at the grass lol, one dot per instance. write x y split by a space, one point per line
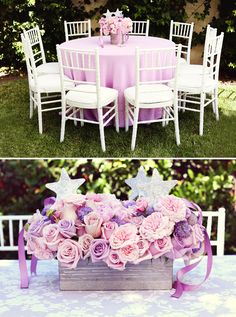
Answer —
19 135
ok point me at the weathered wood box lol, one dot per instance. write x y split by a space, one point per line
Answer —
147 275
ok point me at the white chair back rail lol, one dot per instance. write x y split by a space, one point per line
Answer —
140 28
77 29
183 32
35 40
9 242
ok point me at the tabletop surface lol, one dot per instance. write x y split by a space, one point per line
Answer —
216 297
127 49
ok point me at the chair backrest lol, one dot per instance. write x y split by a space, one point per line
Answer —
140 28
9 241
77 29
156 64
35 41
220 236
184 33
30 63
211 58
81 67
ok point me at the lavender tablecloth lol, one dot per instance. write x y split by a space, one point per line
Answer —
216 297
117 66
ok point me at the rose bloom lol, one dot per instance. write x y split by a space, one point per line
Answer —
129 253
160 247
38 247
181 247
69 253
108 228
67 228
85 242
137 221
141 204
123 235
99 250
80 229
93 222
113 261
36 227
52 236
156 226
197 233
173 207
144 253
75 199
68 212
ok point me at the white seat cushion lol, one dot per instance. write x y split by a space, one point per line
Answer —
183 61
48 68
84 96
193 83
150 94
49 83
191 69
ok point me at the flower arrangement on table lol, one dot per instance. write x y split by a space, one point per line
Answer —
99 227
115 25
102 228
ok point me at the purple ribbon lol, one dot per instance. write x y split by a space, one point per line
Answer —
24 279
179 286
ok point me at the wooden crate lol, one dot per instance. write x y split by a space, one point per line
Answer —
147 275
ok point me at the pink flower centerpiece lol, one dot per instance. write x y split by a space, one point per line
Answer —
115 25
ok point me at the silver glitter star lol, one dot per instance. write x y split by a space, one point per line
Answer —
65 186
138 183
118 13
158 188
108 14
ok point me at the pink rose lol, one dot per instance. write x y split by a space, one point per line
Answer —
181 247
108 228
141 204
156 226
137 221
68 212
67 228
69 253
144 253
129 253
123 236
93 222
197 234
52 236
160 247
94 197
113 261
38 247
85 242
173 207
80 229
74 199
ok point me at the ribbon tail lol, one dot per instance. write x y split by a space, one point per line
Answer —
33 265
24 280
179 286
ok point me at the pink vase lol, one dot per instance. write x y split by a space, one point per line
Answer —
119 38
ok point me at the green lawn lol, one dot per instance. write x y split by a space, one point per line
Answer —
19 135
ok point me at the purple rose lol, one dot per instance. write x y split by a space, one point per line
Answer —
48 203
36 227
182 229
129 203
67 228
99 250
83 212
118 220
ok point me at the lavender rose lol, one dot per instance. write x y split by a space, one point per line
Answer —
182 229
99 250
67 228
36 227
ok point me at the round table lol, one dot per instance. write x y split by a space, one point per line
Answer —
117 67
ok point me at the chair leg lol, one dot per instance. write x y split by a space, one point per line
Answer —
40 119
202 100
101 129
184 102
216 104
164 117
81 114
116 115
135 128
31 104
126 115
176 120
63 121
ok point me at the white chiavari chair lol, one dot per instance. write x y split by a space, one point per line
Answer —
77 29
140 28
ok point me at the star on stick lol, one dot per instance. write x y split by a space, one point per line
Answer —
108 14
118 13
138 183
65 186
158 188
